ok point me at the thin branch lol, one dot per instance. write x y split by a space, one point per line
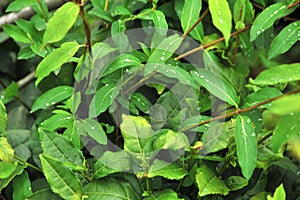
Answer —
27 12
239 111
195 24
24 81
294 4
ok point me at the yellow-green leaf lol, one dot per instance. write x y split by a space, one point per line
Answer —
3 118
6 151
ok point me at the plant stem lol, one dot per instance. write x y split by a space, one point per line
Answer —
147 186
238 111
106 5
195 24
27 163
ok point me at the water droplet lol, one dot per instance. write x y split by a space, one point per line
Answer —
291 114
258 32
106 84
65 88
2 96
52 103
201 76
289 30
269 104
127 70
248 121
127 60
253 134
68 117
92 127
290 79
162 58
47 104
70 53
275 12
259 119
221 21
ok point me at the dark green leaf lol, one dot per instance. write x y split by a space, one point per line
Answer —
62 180
221 17
245 139
44 194
236 182
21 186
119 37
29 29
209 183
16 33
167 170
285 40
3 119
10 92
166 194
62 20
61 119
52 97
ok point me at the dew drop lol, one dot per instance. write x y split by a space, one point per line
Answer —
289 30
106 84
47 104
201 76
68 117
275 12
291 114
253 134
69 53
259 119
221 21
290 79
258 32
52 103
2 96
162 58
92 127
127 60
127 70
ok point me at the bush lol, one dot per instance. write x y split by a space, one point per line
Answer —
150 100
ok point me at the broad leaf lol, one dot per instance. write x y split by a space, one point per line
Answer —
280 74
278 194
6 151
189 16
165 49
21 186
166 194
62 20
286 105
167 170
16 33
160 22
60 148
119 37
61 179
217 86
52 97
287 128
245 140
109 188
221 17
285 40
171 140
111 162
267 18
43 194
3 119
209 183
137 134
19 5
262 95
59 120
6 169
55 60
236 182
4 182
9 93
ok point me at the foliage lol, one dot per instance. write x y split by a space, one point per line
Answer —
158 99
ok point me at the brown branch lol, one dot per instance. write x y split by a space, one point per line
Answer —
195 24
27 12
210 44
294 4
239 111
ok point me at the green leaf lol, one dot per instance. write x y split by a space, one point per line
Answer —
111 162
43 194
16 33
166 194
10 92
122 61
165 49
221 17
119 37
103 98
110 188
92 128
7 169
29 29
218 137
60 148
137 134
21 187
55 60
287 128
6 151
3 119
280 74
278 194
189 16
62 20
261 95
62 180
171 140
266 19
58 120
120 10
285 40
236 182
19 5
245 140
6 181
217 86
52 97
167 170
286 105
208 182
160 22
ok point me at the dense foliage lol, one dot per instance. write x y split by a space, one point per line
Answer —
139 99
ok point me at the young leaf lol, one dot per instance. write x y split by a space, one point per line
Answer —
62 20
165 49
6 151
52 97
59 147
137 134
236 182
280 74
3 119
7 169
208 182
16 33
160 22
245 139
267 18
21 186
221 17
285 40
110 188
190 14
164 195
286 105
278 194
111 162
19 5
287 128
167 170
217 86
61 179
55 60
4 182
171 140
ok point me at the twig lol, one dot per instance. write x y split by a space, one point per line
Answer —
27 12
239 111
195 24
24 81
